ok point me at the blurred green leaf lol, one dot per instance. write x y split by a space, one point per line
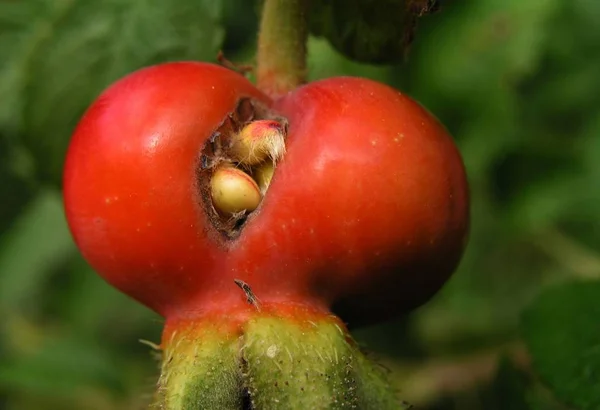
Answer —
562 332
57 55
78 363
508 390
539 398
515 82
38 243
15 182
324 62
84 304
589 195
369 31
478 48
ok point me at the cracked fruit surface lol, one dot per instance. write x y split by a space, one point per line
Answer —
365 209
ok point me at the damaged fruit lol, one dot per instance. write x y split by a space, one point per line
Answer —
246 221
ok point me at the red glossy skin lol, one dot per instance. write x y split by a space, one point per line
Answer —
367 211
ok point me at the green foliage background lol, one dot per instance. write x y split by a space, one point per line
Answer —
516 82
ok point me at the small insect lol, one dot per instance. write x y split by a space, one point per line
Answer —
250 297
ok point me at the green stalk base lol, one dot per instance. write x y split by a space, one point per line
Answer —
269 362
282 38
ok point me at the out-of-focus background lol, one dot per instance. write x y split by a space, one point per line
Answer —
516 82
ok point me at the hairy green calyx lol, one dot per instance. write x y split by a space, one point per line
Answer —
270 362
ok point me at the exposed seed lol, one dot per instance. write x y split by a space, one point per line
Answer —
257 142
263 175
233 191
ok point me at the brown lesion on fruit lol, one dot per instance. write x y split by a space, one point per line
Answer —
237 163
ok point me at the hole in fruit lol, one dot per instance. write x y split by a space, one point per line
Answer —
237 164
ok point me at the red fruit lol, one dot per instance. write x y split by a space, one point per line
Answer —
367 210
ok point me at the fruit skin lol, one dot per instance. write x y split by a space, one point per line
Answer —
368 209
130 181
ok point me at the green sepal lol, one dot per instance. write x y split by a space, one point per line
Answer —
310 365
270 362
200 370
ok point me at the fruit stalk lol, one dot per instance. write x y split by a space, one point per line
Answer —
281 65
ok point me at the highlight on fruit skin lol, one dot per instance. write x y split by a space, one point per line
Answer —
258 141
233 191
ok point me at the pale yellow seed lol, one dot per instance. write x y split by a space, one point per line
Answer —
263 175
257 142
233 191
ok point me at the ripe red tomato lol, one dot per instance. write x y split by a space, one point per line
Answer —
367 211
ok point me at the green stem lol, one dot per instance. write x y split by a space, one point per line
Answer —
282 46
